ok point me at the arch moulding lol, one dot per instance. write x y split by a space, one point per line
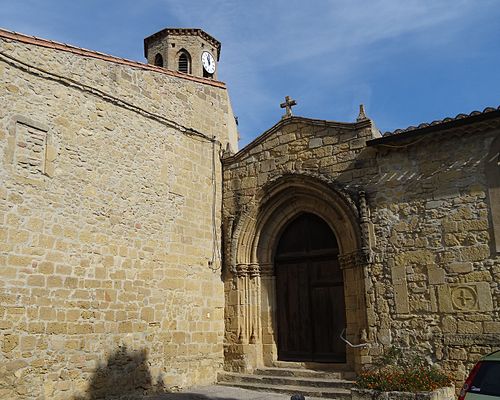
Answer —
252 246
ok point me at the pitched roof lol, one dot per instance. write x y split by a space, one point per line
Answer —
182 31
11 35
441 121
438 125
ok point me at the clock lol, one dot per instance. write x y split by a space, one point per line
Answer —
208 61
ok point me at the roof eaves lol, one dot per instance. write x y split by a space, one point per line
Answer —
437 126
178 31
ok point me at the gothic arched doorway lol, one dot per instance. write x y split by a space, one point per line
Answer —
310 292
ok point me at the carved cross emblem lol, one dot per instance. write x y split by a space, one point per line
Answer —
464 298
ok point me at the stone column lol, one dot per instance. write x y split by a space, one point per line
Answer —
242 302
255 299
248 289
268 314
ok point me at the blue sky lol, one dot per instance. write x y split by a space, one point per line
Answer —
408 61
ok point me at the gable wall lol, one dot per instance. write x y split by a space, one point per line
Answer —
332 151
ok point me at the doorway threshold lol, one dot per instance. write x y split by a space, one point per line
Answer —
315 366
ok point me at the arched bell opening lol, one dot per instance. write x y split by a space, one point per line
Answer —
184 62
158 60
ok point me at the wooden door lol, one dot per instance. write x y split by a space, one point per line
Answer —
310 293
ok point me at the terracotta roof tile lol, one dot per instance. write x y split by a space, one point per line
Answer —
441 126
6 34
441 121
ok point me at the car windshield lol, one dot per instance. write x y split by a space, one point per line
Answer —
487 379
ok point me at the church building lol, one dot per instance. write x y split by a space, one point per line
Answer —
137 241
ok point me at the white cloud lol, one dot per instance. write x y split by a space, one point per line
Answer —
262 37
311 50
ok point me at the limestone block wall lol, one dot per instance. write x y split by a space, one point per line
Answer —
107 226
435 279
429 280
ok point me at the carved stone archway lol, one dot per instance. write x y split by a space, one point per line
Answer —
250 289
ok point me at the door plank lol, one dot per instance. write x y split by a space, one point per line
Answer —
310 293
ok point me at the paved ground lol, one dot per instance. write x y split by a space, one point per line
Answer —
215 392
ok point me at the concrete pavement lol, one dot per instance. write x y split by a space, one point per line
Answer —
216 392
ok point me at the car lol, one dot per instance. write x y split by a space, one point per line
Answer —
483 382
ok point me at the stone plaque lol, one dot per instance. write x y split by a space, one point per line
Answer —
31 145
466 297
29 150
401 300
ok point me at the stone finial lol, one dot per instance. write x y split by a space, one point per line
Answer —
288 104
362 115
227 152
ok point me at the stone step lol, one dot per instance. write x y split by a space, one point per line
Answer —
285 380
311 365
306 373
330 393
291 381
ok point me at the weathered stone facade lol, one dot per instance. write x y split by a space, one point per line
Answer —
110 215
413 221
108 222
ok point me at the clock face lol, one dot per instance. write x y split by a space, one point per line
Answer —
208 62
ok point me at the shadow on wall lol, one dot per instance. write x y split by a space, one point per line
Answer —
126 376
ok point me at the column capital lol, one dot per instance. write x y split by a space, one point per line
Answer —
253 270
241 270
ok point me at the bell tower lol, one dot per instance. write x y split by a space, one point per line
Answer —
187 50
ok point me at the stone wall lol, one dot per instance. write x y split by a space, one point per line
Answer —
425 272
108 261
436 271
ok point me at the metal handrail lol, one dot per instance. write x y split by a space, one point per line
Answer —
349 343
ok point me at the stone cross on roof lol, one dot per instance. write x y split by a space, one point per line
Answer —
288 104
